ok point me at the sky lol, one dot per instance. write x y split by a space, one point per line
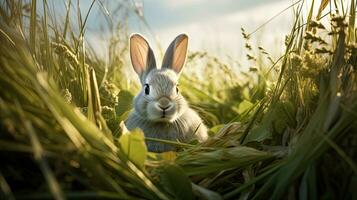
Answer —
212 25
215 26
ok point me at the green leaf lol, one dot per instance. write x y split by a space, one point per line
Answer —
244 106
307 189
258 134
133 145
214 130
124 103
94 105
33 26
203 193
176 182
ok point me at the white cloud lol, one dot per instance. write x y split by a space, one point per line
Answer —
222 35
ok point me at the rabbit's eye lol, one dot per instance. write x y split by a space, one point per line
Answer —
147 89
177 90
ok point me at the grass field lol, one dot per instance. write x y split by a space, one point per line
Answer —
287 129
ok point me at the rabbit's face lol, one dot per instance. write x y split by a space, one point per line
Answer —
160 100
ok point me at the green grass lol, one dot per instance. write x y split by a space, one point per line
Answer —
284 130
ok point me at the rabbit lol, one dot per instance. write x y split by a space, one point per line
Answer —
160 110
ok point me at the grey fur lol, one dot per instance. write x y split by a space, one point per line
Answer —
178 122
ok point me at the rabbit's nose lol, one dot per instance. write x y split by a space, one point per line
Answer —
164 103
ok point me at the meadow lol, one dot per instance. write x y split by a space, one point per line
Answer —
284 130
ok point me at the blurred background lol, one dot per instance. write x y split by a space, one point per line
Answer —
213 26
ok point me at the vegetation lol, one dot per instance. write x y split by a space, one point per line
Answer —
285 131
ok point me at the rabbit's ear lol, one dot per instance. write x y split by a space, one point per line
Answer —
141 55
175 55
